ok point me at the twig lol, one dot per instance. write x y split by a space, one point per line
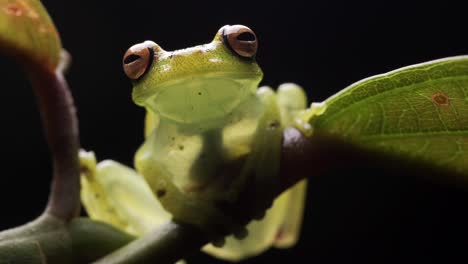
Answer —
302 157
166 244
61 130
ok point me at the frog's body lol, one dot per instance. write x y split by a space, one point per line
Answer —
210 136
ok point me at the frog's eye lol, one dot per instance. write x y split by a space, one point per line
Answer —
137 60
241 40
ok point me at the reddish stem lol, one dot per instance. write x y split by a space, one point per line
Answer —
61 130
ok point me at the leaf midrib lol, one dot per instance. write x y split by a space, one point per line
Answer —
443 133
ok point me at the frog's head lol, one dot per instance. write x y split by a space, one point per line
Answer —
198 83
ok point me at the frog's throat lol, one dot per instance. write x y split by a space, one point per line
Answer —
199 100
149 87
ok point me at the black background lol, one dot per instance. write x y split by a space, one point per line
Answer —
321 45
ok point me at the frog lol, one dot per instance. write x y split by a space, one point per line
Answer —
212 139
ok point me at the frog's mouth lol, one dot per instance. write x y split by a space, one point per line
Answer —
201 98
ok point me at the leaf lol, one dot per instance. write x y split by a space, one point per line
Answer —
420 111
28 34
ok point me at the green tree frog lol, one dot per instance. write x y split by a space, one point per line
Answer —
212 140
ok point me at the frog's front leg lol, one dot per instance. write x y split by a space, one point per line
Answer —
184 197
116 194
189 208
215 170
209 160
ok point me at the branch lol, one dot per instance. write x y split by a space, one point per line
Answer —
324 155
61 130
50 240
321 155
167 244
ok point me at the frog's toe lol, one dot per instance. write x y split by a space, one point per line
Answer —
87 163
259 215
241 233
226 226
218 242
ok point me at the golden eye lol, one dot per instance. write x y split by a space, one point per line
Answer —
241 40
137 60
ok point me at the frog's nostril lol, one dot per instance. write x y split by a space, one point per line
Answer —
246 36
131 58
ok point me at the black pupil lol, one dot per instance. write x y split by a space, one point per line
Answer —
131 58
246 36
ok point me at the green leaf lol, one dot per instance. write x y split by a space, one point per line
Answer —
28 34
419 111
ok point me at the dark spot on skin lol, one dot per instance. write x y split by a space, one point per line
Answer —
172 138
160 193
181 147
440 99
199 93
273 125
85 170
280 233
97 196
